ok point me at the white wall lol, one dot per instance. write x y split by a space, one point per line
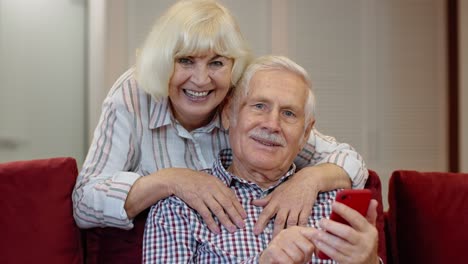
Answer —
378 68
42 77
379 74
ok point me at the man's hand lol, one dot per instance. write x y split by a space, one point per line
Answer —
292 245
349 244
293 200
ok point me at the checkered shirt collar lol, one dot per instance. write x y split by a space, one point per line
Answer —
223 162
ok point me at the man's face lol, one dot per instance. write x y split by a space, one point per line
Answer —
269 131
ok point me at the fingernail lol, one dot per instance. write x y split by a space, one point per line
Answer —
256 231
232 229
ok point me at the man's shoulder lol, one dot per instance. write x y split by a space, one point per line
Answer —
172 202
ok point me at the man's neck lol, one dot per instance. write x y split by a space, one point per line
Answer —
263 178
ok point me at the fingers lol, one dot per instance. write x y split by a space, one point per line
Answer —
236 207
304 216
262 202
274 254
299 249
263 219
340 250
349 244
280 221
354 218
225 206
330 244
372 212
209 196
216 208
290 246
207 217
288 209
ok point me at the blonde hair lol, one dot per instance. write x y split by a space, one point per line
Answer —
189 28
272 62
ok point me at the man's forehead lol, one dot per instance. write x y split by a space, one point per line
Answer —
275 80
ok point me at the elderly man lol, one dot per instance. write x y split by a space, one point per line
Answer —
269 117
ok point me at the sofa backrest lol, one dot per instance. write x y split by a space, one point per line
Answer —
38 225
114 245
428 217
36 214
373 183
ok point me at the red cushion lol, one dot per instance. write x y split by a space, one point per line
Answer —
428 217
113 245
36 214
373 183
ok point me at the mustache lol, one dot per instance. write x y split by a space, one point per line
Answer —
267 136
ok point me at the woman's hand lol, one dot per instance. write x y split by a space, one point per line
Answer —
293 200
208 195
203 192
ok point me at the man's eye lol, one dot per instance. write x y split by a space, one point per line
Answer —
184 61
259 106
289 113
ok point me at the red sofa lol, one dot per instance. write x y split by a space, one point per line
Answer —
38 225
36 212
427 220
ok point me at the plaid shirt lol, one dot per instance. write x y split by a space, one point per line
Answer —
175 233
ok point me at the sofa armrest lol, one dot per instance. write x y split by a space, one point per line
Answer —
36 212
427 217
373 183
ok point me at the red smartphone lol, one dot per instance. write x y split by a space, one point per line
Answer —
357 199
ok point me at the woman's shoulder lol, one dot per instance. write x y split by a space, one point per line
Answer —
126 83
126 92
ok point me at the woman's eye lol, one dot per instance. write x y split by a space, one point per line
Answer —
184 61
217 63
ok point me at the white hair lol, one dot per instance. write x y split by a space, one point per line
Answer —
189 28
272 62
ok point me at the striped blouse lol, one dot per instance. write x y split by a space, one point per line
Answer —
137 136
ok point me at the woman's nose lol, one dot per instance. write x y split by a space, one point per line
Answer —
201 76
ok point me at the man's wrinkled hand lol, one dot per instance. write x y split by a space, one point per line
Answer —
292 245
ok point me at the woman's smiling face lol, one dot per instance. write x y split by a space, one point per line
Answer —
197 86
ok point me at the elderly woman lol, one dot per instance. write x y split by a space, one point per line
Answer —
160 127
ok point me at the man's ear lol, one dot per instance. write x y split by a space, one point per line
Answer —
226 114
307 132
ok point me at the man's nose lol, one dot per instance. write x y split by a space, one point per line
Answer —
272 120
201 76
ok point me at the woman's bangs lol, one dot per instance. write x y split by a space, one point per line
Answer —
200 42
